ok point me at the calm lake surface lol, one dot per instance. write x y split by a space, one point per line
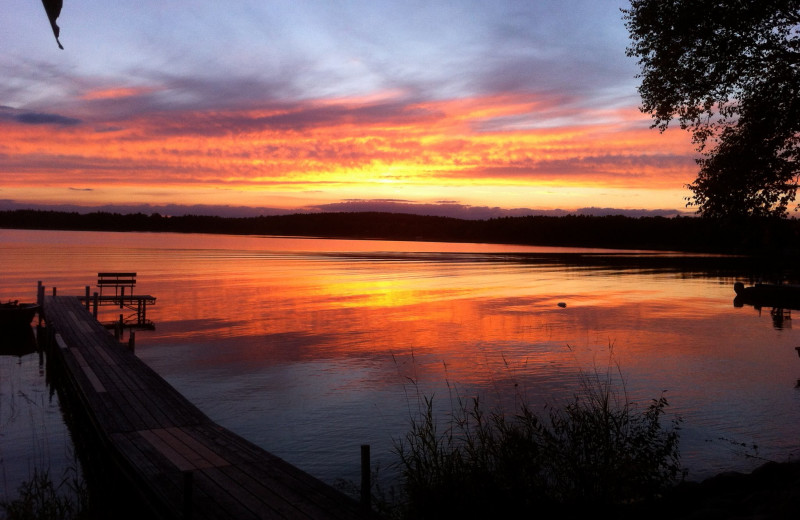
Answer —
311 348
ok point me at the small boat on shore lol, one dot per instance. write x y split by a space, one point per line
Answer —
17 340
777 296
15 313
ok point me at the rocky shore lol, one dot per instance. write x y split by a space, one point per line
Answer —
771 491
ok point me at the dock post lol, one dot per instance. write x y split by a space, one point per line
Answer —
42 338
366 483
188 478
119 328
96 302
87 297
54 291
40 300
132 341
121 296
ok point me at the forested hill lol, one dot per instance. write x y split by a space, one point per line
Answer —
680 233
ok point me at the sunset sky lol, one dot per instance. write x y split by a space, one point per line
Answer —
457 107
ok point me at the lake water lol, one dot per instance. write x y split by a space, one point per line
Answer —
310 348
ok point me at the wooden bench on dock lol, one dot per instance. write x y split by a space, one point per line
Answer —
123 297
119 281
182 463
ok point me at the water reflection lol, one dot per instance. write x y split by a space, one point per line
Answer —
781 299
33 436
308 343
312 348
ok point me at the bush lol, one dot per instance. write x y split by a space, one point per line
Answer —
41 499
597 450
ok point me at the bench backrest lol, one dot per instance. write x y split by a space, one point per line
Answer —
116 280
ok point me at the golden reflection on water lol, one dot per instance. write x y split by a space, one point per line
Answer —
449 309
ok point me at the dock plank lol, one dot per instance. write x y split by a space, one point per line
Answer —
202 453
159 439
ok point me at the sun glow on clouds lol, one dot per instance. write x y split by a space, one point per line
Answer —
379 146
296 105
116 93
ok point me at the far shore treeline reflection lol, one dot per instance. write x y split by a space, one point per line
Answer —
693 234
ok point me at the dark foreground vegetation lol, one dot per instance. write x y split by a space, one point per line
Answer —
42 498
734 235
596 453
596 456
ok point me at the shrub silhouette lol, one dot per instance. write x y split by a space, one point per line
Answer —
597 450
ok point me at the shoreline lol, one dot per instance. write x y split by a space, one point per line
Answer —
772 490
776 239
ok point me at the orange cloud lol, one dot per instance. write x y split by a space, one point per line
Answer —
375 146
116 93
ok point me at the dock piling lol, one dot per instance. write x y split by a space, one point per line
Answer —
188 480
40 300
366 483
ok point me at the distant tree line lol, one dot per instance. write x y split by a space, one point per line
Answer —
743 235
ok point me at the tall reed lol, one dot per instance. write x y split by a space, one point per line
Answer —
598 449
40 498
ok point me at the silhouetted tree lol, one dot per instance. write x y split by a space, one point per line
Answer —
729 71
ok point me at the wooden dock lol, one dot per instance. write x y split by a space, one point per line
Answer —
183 464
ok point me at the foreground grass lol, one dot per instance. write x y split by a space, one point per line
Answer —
42 499
599 450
